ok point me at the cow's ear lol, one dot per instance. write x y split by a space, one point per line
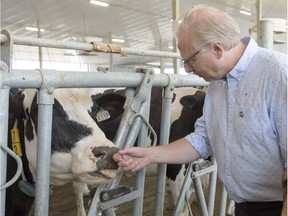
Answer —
113 103
108 101
193 102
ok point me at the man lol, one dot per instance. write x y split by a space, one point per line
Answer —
244 122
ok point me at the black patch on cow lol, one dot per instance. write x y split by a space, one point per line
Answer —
156 109
65 132
29 127
192 110
17 203
113 103
193 102
16 112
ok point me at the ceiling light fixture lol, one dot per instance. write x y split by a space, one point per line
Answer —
170 47
245 12
99 3
30 28
119 40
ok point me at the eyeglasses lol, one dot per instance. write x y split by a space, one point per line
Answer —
191 60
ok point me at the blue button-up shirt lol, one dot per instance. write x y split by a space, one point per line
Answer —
244 125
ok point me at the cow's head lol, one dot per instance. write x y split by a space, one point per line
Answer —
80 149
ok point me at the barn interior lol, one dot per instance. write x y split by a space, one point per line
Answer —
141 28
139 25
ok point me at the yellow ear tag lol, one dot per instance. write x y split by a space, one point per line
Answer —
16 142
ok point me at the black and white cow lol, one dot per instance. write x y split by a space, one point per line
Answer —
75 133
81 153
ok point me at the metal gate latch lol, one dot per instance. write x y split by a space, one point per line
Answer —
107 195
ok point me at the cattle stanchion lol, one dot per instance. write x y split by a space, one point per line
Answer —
194 172
45 80
126 136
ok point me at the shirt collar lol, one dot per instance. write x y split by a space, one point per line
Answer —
241 67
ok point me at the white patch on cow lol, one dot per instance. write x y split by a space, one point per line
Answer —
80 189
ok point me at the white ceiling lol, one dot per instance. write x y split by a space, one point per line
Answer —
143 24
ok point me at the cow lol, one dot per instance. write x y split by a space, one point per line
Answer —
80 151
78 107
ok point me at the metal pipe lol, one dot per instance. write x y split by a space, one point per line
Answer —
111 54
3 38
45 107
163 140
175 14
266 34
142 141
60 79
40 48
258 19
26 41
5 66
200 196
184 190
212 188
4 98
223 202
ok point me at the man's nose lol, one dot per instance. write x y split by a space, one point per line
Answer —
188 68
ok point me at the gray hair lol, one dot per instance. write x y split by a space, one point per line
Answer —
209 25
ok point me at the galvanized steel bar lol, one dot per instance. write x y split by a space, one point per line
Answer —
212 187
84 46
3 38
142 141
200 196
184 191
5 65
266 34
163 140
223 202
4 97
44 129
60 79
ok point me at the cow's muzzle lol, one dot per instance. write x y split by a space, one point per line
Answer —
104 157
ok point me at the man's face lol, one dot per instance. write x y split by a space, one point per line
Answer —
199 59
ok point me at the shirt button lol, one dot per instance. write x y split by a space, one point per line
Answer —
241 114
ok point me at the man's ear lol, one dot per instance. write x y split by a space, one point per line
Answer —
217 49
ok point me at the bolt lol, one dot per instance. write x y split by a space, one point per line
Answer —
101 207
105 196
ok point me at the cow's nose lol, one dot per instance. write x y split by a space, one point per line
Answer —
104 155
99 152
